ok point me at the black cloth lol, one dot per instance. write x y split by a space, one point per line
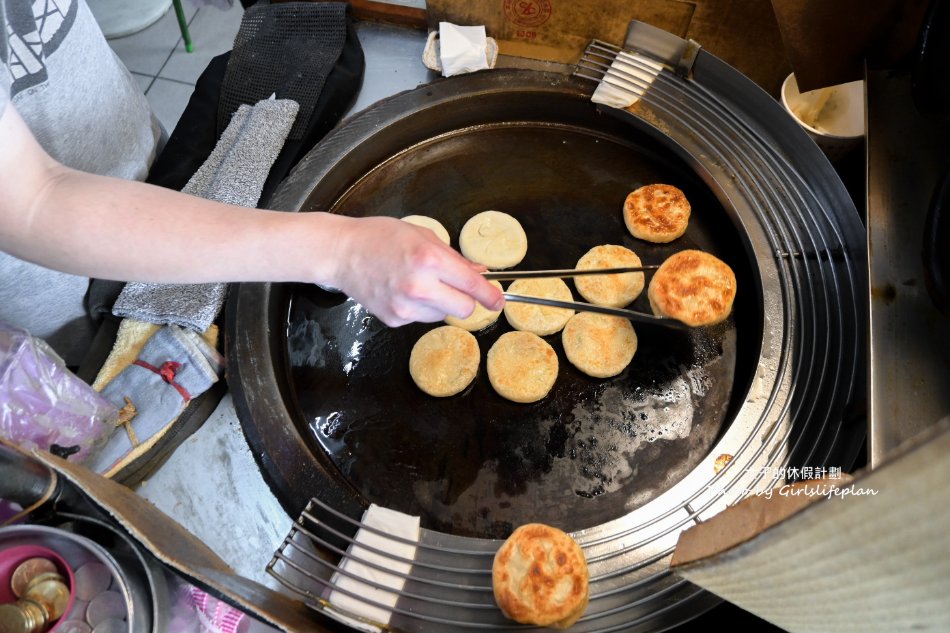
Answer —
309 34
197 133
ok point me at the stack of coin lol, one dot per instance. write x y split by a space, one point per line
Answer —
42 597
22 617
26 571
50 591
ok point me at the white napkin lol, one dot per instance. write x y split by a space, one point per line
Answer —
627 79
395 524
462 49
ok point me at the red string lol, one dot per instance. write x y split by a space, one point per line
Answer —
167 371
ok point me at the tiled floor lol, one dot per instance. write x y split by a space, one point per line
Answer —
157 58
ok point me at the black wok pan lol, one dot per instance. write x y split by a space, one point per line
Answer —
477 464
323 391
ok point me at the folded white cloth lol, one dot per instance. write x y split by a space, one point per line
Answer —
627 79
394 524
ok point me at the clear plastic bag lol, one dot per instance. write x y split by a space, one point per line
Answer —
43 404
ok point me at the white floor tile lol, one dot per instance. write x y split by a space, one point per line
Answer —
168 100
146 52
119 18
212 33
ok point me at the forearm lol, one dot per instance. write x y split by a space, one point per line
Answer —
115 229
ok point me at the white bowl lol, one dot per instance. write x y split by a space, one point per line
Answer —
832 116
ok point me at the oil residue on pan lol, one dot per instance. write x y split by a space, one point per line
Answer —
476 464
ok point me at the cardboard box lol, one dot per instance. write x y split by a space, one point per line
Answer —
743 34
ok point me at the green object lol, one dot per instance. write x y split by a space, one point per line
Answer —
183 25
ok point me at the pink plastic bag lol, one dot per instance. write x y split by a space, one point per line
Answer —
43 404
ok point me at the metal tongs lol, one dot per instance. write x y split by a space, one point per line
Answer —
581 306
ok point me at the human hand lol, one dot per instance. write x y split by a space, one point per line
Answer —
403 273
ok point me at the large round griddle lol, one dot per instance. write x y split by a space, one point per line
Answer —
327 405
480 465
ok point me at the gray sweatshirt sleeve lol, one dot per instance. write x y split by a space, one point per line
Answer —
4 90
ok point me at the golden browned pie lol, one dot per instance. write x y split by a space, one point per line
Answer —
693 287
598 344
540 577
444 361
480 318
721 462
493 238
615 291
522 366
656 213
529 317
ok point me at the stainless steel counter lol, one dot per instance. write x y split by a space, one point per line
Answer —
909 347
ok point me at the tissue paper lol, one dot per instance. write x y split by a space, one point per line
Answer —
462 49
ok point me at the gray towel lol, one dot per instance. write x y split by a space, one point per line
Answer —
175 366
234 173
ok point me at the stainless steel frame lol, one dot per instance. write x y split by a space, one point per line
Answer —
806 239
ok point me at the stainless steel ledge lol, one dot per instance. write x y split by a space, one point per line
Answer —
909 360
